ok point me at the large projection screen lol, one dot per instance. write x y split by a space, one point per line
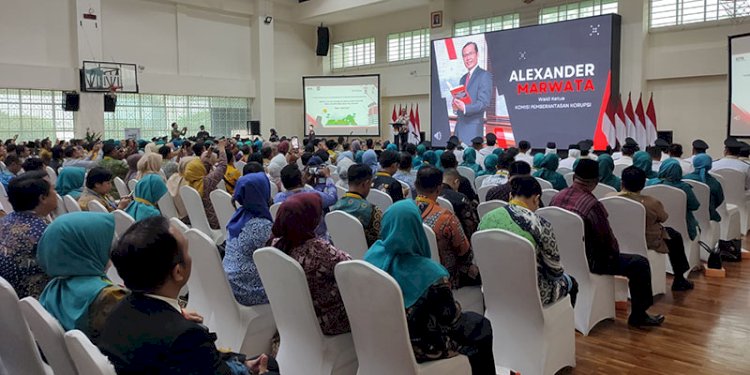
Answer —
739 86
541 83
342 105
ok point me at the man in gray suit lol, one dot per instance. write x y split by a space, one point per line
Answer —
478 84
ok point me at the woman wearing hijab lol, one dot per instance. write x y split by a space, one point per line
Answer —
132 161
438 154
417 160
670 173
490 165
74 252
70 182
701 166
370 159
470 160
437 327
642 161
429 158
548 171
293 233
392 147
606 169
150 163
248 230
358 156
174 183
198 177
146 196
537 161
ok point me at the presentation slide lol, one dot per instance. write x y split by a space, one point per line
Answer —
346 105
739 81
540 83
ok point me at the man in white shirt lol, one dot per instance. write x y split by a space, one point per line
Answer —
731 160
675 152
477 143
574 153
699 147
663 147
524 154
452 146
551 148
628 150
278 162
74 157
491 140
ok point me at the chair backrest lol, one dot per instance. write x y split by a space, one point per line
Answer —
340 191
619 168
703 193
49 335
131 184
274 209
479 180
347 233
469 174
87 357
627 218
19 352
569 234
71 205
221 185
674 201
223 206
239 165
432 240
485 207
95 206
380 199
167 207
274 190
482 192
52 175
444 203
569 178
601 190
544 183
734 186
210 292
177 223
195 209
122 188
547 195
123 221
563 170
510 285
61 209
377 318
289 294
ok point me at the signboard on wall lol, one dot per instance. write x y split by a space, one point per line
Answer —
132 133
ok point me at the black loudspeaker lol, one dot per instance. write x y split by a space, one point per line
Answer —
110 102
72 101
422 136
323 39
254 127
665 135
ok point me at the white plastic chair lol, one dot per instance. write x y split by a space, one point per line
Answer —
244 329
569 178
444 203
547 195
52 175
544 336
95 206
340 191
49 335
19 351
469 174
406 188
274 209
131 184
304 348
596 293
482 193
618 169
223 206
197 213
60 210
274 190
734 193
485 207
563 171
87 357
123 221
378 321
177 223
122 188
601 190
167 207
239 165
347 233
709 231
380 199
544 183
71 205
729 227
480 179
432 241
627 218
221 185
674 201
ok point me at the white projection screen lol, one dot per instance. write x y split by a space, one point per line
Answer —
739 86
342 105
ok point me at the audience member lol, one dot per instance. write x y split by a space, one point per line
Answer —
670 174
146 195
252 167
12 168
470 157
490 165
98 188
464 209
74 157
168 166
477 143
112 160
490 141
701 165
355 203
731 160
655 154
448 161
628 150
383 181
232 174
502 192
662 146
199 178
132 162
70 182
174 183
548 171
149 163
32 164
574 153
501 176
606 172
675 152
404 173
642 161
291 178
524 154
278 162
699 147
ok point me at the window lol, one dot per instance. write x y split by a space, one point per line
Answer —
154 113
34 114
484 25
409 45
575 10
353 53
679 12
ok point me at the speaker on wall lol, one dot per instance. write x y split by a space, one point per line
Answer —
71 101
110 102
254 127
665 135
323 39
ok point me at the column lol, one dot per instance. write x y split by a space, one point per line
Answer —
263 107
89 32
633 44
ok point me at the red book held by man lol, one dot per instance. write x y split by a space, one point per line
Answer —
459 92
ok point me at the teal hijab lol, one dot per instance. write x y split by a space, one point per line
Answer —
490 165
606 169
404 253
73 251
701 165
358 156
642 161
70 181
430 157
548 171
537 162
470 160
416 160
392 147
147 193
438 154
670 171
498 151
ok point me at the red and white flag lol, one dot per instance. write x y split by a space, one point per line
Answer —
413 133
640 124
394 117
620 128
630 121
608 124
417 122
651 121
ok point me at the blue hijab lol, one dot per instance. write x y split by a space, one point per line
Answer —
252 193
701 165
404 253
148 191
73 251
370 159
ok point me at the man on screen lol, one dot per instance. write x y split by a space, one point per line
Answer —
478 84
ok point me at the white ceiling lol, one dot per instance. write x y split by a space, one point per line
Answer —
331 12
